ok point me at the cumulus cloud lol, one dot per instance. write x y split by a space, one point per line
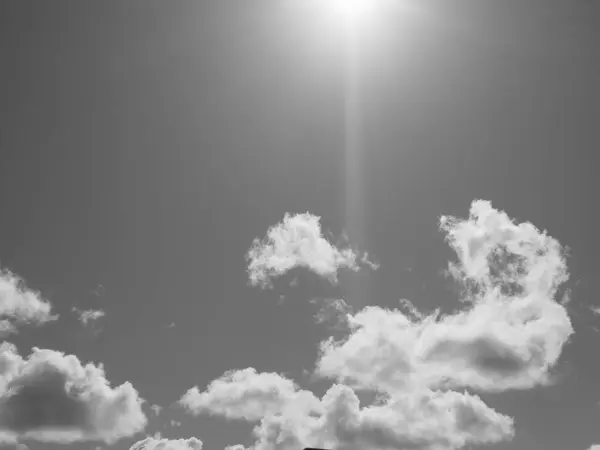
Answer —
509 335
53 397
156 443
246 394
88 315
296 418
297 241
20 305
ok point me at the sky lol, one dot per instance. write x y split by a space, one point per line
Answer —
215 234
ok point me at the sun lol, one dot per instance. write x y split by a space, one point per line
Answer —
349 16
350 10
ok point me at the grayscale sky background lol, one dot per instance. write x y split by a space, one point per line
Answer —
146 144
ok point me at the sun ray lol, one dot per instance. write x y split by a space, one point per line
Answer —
353 149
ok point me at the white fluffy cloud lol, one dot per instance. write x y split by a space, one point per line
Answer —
53 397
295 418
246 394
297 241
20 305
156 443
508 336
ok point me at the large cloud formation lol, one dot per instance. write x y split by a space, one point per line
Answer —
509 336
20 305
53 397
152 443
297 241
424 369
295 418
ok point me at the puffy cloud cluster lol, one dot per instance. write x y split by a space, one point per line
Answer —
53 397
157 443
509 336
295 418
297 241
20 305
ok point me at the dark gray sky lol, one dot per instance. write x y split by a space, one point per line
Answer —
145 144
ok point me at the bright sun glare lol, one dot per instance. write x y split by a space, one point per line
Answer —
356 14
350 9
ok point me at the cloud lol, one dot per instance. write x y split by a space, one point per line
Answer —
153 443
156 409
296 418
99 291
297 241
88 315
333 312
20 305
507 333
366 261
53 397
508 336
411 309
246 394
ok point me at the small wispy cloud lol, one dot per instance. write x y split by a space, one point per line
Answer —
368 262
595 310
411 309
332 312
98 291
89 315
